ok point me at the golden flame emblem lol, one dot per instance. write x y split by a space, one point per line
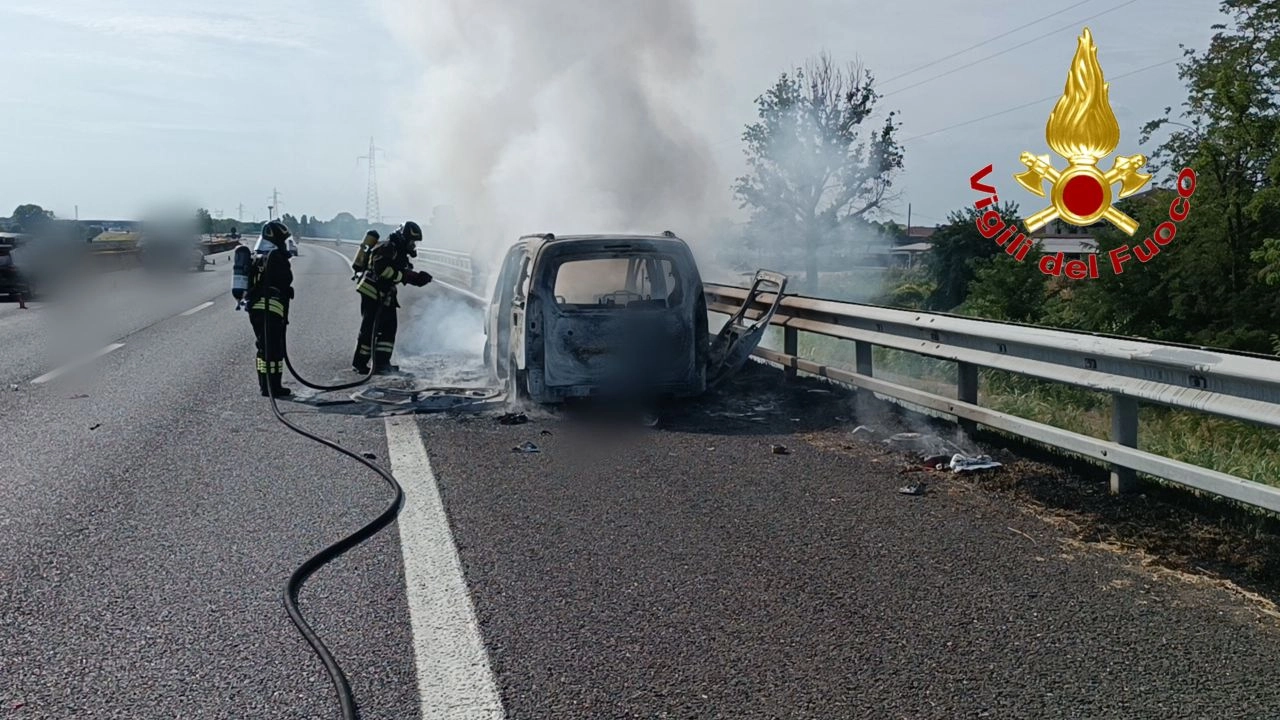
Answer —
1083 130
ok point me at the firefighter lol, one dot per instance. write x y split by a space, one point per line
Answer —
270 290
384 265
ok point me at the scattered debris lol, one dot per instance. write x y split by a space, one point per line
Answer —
781 450
965 463
862 428
95 426
526 448
841 419
513 419
937 462
1022 534
920 445
545 432
369 455
73 397
914 489
649 420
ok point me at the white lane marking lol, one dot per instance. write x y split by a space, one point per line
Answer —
196 309
82 361
345 259
455 679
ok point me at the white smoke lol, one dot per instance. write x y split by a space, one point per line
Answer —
554 116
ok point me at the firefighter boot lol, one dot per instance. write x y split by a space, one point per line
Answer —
262 384
278 390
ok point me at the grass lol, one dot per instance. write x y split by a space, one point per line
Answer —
1228 446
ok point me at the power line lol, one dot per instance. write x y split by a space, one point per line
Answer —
1015 47
986 42
1055 96
372 214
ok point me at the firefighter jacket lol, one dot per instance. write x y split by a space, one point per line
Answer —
386 269
270 279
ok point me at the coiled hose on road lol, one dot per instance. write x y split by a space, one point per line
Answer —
346 699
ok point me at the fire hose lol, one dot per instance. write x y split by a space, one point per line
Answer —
293 587
346 699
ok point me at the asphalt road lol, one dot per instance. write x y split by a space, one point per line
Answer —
151 509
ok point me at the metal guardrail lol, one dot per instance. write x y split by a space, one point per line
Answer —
1233 385
451 270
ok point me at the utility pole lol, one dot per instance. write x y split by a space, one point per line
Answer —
274 207
240 212
371 212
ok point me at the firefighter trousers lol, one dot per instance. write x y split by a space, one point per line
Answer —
268 332
376 342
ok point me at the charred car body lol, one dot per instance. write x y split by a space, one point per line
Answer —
610 315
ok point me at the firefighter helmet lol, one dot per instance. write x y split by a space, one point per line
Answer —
276 233
411 231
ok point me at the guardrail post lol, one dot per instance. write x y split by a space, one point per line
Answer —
1124 431
791 346
862 353
967 392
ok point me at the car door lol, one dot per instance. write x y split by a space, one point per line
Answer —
497 324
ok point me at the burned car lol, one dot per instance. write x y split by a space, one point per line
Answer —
610 315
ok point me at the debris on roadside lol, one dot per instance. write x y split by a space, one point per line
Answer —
526 448
649 420
938 462
369 455
971 463
513 419
913 489
73 397
14 387
95 426
781 450
862 428
545 432
922 446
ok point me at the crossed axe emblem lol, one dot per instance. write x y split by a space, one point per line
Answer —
1124 170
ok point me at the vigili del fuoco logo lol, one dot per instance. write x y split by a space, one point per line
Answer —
1082 129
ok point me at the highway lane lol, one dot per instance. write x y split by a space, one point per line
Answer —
689 572
95 311
680 572
151 509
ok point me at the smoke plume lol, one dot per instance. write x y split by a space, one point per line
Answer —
552 116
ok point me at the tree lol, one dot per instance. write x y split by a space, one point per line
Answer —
957 248
204 221
1212 292
810 169
1004 288
30 217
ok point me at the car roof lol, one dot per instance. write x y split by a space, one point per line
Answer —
534 243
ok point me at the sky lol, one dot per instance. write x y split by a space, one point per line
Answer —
534 111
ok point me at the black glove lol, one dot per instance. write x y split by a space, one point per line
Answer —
416 278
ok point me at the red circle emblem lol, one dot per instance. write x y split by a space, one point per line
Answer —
1082 195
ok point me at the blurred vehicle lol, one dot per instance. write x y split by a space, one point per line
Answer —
292 246
611 315
163 251
13 281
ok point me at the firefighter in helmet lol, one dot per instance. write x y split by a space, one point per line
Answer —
380 269
270 290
